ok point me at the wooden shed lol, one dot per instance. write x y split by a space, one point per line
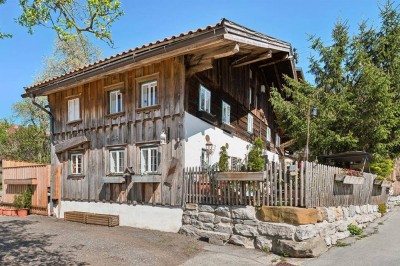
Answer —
17 176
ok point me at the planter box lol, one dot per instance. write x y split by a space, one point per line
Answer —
10 212
22 212
240 176
386 183
349 179
382 183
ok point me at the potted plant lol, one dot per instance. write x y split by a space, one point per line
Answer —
254 169
23 202
383 169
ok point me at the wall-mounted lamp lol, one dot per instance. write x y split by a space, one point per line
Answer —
163 138
263 89
210 148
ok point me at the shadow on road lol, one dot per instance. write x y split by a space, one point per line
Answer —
18 246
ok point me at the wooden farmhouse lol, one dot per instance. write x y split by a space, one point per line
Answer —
126 127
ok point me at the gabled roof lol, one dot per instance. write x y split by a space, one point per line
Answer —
184 42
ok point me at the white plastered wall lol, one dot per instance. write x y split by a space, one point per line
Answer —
141 216
195 140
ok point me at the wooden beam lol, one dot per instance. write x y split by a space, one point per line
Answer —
287 144
28 181
225 52
70 143
257 59
239 176
113 180
200 67
276 61
146 178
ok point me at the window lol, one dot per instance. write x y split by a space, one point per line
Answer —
73 110
268 134
277 140
117 161
204 99
76 160
149 94
115 101
249 123
148 160
226 113
250 97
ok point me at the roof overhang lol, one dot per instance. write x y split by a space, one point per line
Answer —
226 31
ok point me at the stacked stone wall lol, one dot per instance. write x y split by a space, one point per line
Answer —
239 225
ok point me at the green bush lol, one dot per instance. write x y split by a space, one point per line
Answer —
382 208
382 168
24 200
255 163
354 230
223 159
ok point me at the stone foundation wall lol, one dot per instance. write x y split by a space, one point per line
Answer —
238 225
393 201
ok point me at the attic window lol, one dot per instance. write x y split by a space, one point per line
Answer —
250 123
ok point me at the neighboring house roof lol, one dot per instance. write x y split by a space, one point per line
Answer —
177 45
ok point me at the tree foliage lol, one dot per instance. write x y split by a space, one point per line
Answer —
223 164
31 142
255 162
356 91
70 19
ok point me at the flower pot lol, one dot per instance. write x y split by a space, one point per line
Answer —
22 212
10 212
378 181
1 211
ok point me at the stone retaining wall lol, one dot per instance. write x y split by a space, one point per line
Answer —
238 225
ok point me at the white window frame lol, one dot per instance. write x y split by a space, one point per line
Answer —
277 140
204 99
73 110
149 93
74 160
117 165
118 101
147 165
268 135
250 123
250 97
226 113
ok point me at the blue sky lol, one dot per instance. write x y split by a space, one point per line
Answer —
147 21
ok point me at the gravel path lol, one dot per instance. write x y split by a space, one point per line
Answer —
37 240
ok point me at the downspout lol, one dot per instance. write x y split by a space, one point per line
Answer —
33 98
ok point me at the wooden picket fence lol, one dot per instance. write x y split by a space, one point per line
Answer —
303 184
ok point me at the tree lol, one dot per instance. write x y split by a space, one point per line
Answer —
223 159
70 19
66 56
356 90
31 141
254 161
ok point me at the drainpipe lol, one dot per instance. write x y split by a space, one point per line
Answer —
33 98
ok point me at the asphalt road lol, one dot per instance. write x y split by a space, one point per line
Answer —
382 249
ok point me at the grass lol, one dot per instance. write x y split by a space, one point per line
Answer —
266 249
380 223
362 237
341 244
354 230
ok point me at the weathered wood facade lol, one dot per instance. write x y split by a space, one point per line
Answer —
130 130
230 60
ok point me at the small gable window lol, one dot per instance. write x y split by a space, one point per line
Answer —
73 110
249 123
115 101
226 113
149 94
204 99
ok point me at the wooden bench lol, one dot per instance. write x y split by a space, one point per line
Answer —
92 218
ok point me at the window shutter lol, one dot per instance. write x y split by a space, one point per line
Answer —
76 112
